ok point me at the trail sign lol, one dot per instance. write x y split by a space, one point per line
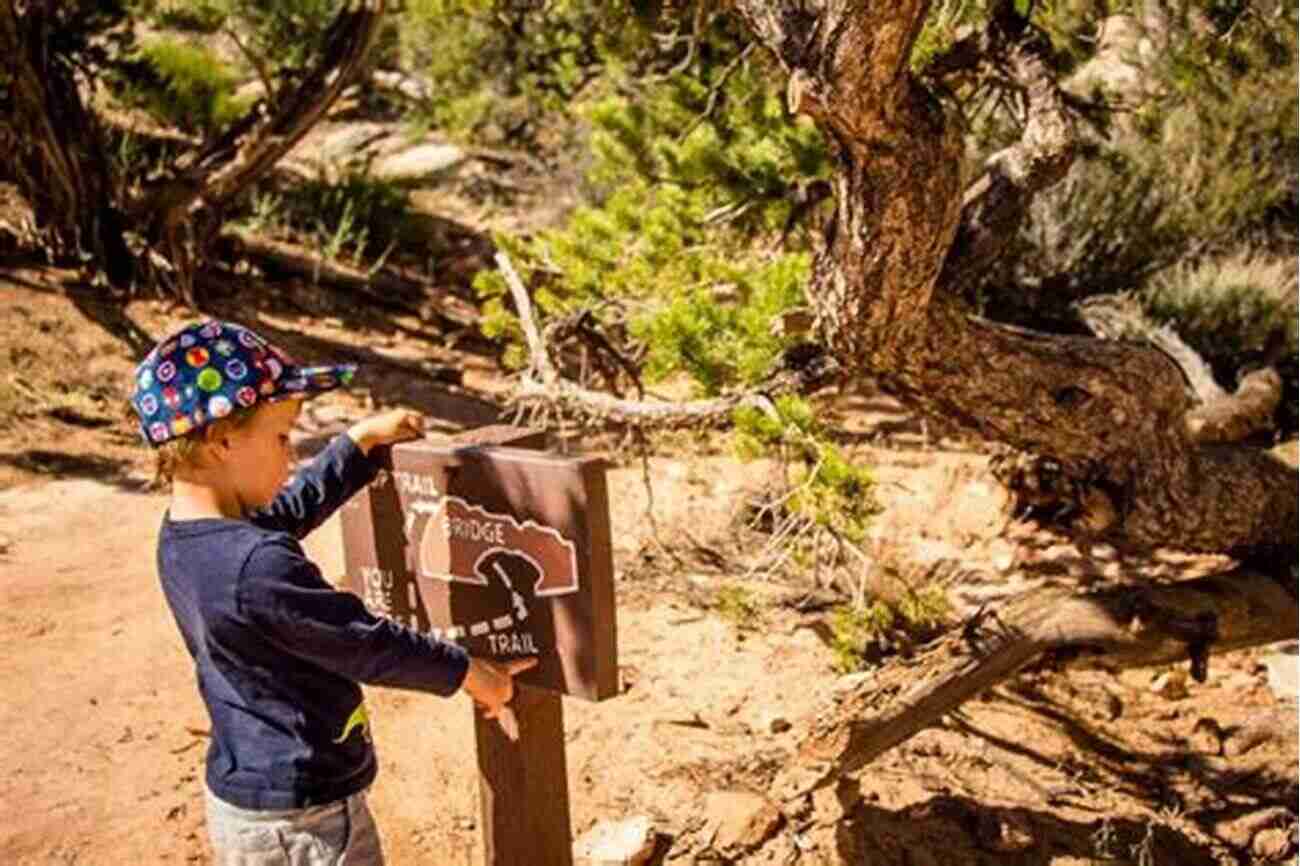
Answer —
503 550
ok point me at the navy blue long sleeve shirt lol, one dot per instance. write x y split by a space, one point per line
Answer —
279 652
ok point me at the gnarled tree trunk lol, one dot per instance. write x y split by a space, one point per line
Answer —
1103 423
1108 416
80 204
53 146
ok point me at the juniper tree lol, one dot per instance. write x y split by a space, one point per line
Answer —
1103 444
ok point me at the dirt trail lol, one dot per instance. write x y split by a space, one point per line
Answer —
105 735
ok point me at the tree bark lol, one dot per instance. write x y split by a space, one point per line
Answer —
1108 416
56 149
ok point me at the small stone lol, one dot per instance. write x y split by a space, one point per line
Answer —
629 842
1283 676
1206 737
1006 833
419 163
743 820
1171 685
1003 555
1241 830
1259 729
1272 845
849 682
774 722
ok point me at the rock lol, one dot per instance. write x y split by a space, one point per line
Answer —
1272 845
1259 729
1206 737
742 820
1003 555
1171 685
1005 833
773 722
1240 831
419 163
1283 676
849 682
414 89
629 842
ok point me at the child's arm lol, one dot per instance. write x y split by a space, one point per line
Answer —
336 474
284 600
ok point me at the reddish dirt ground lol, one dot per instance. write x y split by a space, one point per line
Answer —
104 734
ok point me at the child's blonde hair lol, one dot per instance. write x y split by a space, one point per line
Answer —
182 452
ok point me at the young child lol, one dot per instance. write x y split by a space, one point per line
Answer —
278 651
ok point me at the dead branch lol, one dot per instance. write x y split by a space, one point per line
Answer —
715 91
1233 417
1221 417
1120 317
583 326
542 383
1115 628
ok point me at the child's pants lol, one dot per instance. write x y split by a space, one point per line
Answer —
341 833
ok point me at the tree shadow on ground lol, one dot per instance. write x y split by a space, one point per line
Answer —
108 313
97 305
60 464
1203 789
947 830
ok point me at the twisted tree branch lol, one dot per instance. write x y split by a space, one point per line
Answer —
1115 628
249 149
994 206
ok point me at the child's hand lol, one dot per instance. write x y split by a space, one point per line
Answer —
396 425
492 684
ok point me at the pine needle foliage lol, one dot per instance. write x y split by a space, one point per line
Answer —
187 86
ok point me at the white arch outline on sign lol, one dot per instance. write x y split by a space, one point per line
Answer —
475 579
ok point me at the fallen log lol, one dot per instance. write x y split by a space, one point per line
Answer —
382 287
1114 628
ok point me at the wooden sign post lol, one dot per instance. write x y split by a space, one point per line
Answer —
504 549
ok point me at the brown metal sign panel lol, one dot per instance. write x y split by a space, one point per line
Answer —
505 551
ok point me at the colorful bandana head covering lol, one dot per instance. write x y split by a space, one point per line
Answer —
205 371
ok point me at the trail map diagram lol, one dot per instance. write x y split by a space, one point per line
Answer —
464 543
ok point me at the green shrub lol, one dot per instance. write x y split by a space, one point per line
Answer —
198 16
737 605
1235 312
190 87
285 34
1203 163
508 71
853 630
827 489
1228 307
858 633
